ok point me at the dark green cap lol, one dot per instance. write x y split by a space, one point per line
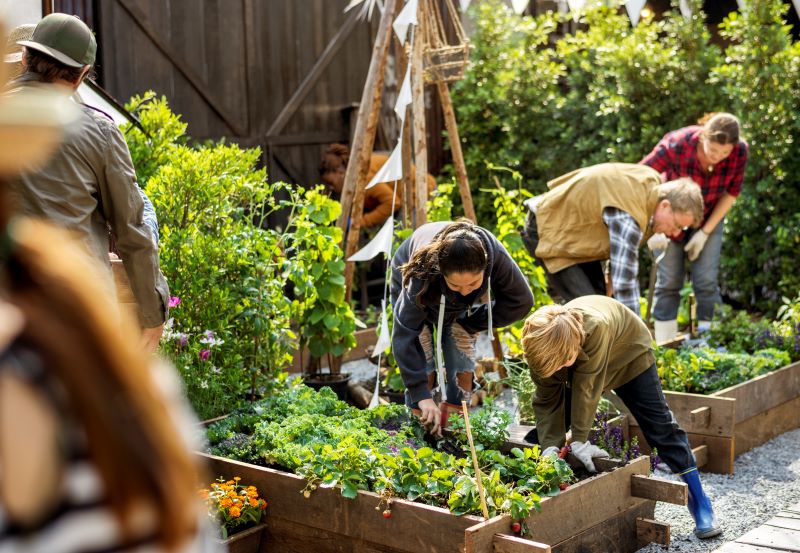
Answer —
65 38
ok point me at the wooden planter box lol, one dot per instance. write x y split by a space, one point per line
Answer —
736 419
609 513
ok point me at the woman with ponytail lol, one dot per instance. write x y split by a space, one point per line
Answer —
439 276
91 444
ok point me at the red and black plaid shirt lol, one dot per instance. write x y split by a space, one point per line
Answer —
675 156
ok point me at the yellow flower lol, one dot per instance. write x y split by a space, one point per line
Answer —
237 478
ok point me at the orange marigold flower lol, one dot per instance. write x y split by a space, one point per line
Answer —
253 503
226 502
237 478
263 504
234 512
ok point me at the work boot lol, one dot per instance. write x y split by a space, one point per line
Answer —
700 506
665 330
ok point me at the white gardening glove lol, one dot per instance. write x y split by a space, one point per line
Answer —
552 450
658 242
695 245
585 452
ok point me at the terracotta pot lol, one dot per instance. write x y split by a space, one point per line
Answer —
246 541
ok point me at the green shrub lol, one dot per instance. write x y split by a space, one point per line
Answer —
543 107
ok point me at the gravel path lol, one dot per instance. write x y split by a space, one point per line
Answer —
766 480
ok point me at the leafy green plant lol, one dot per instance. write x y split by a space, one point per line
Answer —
518 378
489 426
326 321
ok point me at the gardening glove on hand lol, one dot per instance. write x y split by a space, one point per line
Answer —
552 450
658 242
585 452
696 243
431 416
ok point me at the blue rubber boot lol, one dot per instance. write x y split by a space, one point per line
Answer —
700 506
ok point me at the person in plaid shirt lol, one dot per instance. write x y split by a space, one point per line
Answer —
714 156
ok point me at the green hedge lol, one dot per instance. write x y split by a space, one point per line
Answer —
609 92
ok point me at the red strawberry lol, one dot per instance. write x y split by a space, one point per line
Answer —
564 452
563 486
516 527
387 513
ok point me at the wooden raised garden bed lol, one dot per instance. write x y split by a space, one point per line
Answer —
611 512
737 419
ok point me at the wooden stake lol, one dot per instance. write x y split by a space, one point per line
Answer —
363 140
481 492
455 148
418 109
408 180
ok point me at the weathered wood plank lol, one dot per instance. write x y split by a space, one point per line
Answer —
720 450
652 531
791 523
700 455
761 428
285 536
764 392
412 526
608 494
735 547
782 539
513 544
659 489
479 538
719 422
614 535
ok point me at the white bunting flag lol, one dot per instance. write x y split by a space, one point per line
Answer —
519 5
464 5
392 170
686 10
382 243
740 3
404 97
634 8
384 338
796 6
408 16
576 5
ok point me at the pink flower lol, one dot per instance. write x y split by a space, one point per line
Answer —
174 301
205 354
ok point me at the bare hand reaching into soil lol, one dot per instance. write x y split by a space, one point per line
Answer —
431 416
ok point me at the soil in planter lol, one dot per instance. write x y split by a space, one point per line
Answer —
336 382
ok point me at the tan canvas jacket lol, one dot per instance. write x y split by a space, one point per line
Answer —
89 187
616 350
569 217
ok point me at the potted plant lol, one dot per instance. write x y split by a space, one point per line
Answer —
393 385
325 321
238 511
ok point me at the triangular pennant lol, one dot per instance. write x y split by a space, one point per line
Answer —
406 17
464 5
519 5
634 8
686 10
740 3
384 338
392 170
576 5
796 6
382 243
404 97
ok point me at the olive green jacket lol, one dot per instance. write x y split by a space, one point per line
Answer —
89 188
616 350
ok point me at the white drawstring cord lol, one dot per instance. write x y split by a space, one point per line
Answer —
489 305
439 357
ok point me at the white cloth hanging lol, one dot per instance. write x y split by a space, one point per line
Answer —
392 170
519 5
406 17
634 8
686 9
382 243
404 97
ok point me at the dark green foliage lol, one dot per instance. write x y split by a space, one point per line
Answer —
544 107
489 427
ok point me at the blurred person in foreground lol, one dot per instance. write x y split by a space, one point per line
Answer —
91 444
89 185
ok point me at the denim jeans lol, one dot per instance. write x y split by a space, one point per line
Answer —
705 281
645 399
583 279
458 351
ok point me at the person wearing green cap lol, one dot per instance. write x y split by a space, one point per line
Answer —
89 185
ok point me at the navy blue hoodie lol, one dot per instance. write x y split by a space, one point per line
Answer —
511 301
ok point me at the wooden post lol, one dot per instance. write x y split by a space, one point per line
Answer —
455 148
408 181
418 109
363 141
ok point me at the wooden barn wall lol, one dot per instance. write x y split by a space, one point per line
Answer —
229 66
